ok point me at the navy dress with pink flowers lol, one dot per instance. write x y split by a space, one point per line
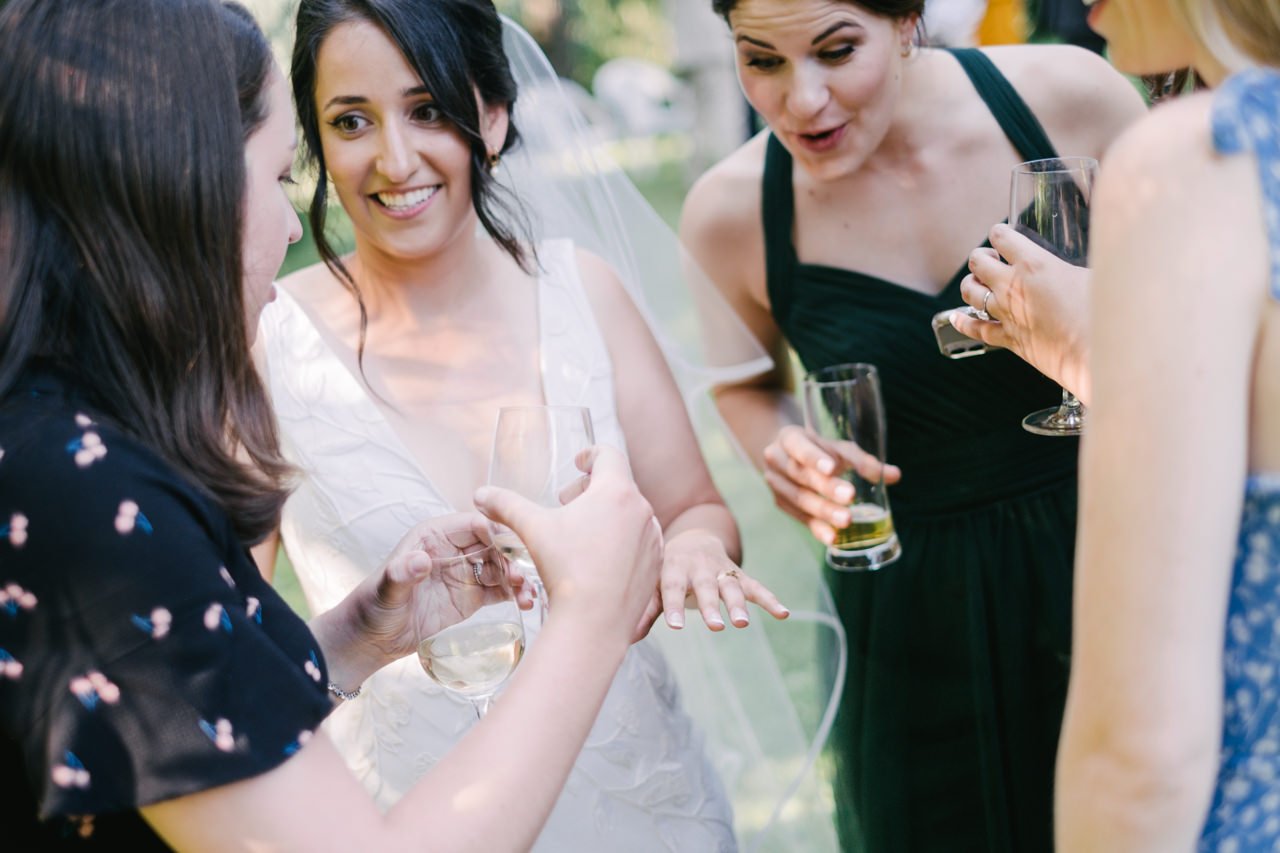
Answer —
142 655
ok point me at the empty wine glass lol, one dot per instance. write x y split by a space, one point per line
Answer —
478 652
1049 203
534 453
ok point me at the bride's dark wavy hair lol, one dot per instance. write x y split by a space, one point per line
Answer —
455 47
122 181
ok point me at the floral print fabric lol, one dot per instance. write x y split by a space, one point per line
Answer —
1245 813
142 655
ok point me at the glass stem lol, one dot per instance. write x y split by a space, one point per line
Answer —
1070 405
481 705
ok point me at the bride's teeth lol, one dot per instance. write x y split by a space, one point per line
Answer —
400 201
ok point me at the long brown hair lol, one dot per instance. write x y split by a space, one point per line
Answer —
122 180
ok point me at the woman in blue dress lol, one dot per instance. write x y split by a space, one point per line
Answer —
1173 716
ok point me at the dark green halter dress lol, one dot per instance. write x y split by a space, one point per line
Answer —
957 676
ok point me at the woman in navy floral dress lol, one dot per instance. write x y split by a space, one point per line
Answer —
154 690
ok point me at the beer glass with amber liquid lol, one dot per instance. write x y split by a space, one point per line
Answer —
845 417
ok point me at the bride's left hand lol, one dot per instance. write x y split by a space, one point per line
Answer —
696 571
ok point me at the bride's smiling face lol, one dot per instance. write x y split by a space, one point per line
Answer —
400 168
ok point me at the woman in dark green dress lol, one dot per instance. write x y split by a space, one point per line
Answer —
838 232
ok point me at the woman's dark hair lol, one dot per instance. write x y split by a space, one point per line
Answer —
896 9
455 47
122 180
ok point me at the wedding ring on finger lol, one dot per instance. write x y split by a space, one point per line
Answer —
729 573
983 313
476 566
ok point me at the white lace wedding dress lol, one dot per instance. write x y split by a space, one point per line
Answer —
642 782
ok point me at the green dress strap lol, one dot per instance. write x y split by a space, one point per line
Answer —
777 209
1016 119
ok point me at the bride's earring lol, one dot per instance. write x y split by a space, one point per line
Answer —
494 159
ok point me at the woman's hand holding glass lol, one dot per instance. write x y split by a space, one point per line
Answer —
806 480
599 555
394 608
478 597
1038 305
534 449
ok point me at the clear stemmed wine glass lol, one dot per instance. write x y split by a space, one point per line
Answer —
476 654
534 452
1049 203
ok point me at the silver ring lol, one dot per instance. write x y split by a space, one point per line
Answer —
983 313
476 566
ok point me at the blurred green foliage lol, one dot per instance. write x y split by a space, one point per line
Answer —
581 35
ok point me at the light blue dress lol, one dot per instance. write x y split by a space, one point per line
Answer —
1245 814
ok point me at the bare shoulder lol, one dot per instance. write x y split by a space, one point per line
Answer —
721 223
1081 100
1164 185
605 291
724 203
1167 155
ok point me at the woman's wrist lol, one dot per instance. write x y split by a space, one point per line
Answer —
349 657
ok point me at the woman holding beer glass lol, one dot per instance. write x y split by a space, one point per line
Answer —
838 232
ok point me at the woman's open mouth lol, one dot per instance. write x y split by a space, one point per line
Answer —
821 141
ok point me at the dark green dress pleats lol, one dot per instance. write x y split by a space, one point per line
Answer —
946 736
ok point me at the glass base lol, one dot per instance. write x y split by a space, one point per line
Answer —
1059 420
866 559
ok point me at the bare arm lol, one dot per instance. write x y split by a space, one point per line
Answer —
723 235
1165 452
495 789
702 542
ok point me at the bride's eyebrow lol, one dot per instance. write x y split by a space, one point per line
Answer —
356 100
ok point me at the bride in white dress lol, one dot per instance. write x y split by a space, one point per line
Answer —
387 368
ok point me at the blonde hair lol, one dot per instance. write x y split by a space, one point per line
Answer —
1237 33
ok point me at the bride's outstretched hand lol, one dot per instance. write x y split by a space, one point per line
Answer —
696 571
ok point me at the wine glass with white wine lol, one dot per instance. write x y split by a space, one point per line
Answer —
535 449
473 657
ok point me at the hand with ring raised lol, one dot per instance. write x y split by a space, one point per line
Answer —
1031 302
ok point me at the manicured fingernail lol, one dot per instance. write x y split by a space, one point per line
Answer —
675 619
826 466
715 622
786 611
844 493
739 616
841 518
